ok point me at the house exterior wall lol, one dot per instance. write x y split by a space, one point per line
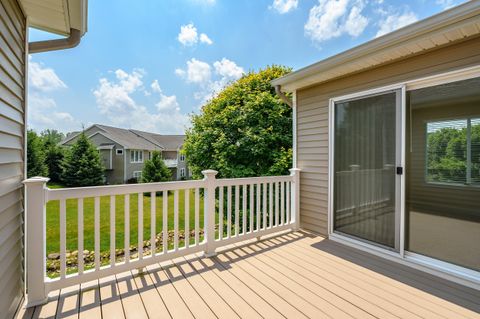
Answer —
12 151
312 117
115 175
132 167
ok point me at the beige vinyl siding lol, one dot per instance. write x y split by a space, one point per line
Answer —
12 95
312 117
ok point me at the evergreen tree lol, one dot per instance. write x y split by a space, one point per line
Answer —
35 155
82 165
155 169
53 153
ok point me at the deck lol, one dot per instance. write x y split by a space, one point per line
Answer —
294 275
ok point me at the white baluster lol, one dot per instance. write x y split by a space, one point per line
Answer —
112 230
127 228
187 218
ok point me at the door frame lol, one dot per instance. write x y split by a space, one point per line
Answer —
464 276
400 161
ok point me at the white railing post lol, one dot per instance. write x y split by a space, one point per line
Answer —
35 194
209 211
295 200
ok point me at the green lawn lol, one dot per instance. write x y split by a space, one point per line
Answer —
53 220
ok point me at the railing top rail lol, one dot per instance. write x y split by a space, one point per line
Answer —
94 191
252 180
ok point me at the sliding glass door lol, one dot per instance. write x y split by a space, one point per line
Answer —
365 177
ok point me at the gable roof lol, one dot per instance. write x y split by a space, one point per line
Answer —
135 139
441 29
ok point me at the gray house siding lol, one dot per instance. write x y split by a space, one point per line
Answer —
133 167
12 150
114 175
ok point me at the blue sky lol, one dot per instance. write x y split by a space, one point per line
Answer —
149 64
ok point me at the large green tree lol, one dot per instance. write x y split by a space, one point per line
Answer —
82 165
246 130
53 153
35 155
155 169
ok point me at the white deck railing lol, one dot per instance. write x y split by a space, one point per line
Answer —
234 210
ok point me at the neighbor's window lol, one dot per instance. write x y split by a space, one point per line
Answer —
453 152
182 158
136 156
119 151
182 172
137 174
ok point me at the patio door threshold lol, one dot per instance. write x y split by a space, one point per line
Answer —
464 276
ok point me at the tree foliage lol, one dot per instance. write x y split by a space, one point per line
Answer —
246 130
54 153
82 165
35 155
447 154
155 169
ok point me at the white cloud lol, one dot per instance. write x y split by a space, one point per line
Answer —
155 86
188 36
205 39
395 21
199 73
334 18
284 6
43 112
228 69
447 4
43 78
116 99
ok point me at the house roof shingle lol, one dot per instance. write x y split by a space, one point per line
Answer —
135 139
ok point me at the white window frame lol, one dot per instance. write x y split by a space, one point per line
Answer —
138 174
182 172
136 156
119 151
182 158
458 274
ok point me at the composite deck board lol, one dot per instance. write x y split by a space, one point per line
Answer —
130 298
422 302
228 294
110 301
356 281
173 301
292 275
90 300
151 298
210 296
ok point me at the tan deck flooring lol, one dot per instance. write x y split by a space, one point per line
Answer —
295 275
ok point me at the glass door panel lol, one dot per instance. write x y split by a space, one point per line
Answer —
443 173
366 152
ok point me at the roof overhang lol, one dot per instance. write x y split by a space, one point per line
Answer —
57 16
446 27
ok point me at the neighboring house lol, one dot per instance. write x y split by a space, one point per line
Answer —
124 151
67 18
372 175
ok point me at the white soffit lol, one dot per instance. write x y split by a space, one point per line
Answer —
56 16
451 25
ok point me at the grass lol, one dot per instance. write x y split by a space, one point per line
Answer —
53 220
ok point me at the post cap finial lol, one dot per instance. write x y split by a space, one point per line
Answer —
209 172
36 179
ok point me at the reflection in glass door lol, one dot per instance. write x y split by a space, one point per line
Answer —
366 139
